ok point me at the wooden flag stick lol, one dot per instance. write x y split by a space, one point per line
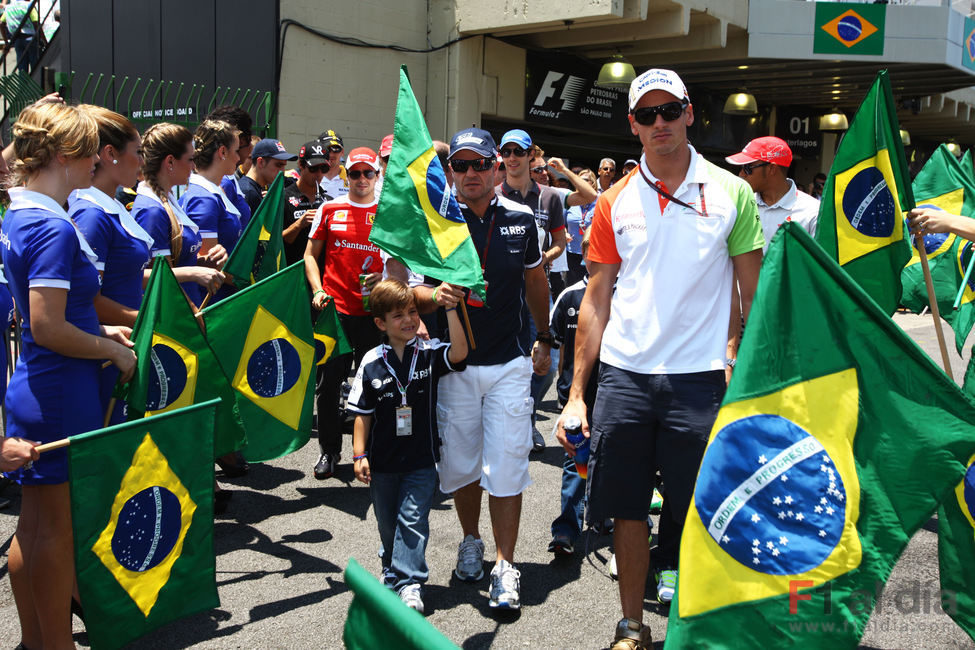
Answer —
108 413
205 300
933 301
50 446
964 282
467 324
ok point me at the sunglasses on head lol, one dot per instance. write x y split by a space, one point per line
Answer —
538 170
669 111
517 151
356 173
750 167
478 164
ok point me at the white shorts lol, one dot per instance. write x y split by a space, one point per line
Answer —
484 417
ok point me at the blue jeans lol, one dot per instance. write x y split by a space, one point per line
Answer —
569 521
27 54
541 383
402 502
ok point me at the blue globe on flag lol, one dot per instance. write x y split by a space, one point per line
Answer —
968 490
147 530
868 204
769 494
167 377
933 241
273 368
849 28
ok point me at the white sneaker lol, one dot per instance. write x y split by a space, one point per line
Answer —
666 585
613 571
470 560
505 586
410 595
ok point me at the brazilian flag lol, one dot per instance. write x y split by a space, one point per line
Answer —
259 252
966 162
418 221
329 336
836 441
176 366
142 514
843 29
262 337
956 550
943 184
378 619
867 192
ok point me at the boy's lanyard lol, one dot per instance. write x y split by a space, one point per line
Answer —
400 387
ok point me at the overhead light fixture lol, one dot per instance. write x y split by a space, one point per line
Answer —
742 103
905 138
954 148
833 122
616 73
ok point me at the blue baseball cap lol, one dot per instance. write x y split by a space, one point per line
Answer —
473 139
271 148
517 136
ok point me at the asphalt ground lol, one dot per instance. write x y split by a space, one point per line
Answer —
286 538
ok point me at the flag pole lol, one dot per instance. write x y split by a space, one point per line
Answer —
964 283
51 446
108 413
205 300
933 301
467 324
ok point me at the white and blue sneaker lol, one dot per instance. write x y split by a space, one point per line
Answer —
505 586
410 596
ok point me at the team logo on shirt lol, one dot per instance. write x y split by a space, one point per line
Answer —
339 215
371 217
293 200
511 230
4 240
377 383
572 311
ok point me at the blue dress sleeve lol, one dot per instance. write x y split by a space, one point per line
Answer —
155 221
204 209
49 253
94 225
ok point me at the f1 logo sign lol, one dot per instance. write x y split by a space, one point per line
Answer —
571 89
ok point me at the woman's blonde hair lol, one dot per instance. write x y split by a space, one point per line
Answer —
43 131
159 142
209 137
113 129
591 176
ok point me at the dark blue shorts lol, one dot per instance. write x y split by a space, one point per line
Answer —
644 423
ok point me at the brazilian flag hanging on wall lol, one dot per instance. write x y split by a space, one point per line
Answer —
176 367
845 29
943 184
836 441
142 514
418 221
867 192
259 252
262 337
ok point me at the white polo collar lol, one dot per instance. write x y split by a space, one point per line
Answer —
23 199
196 179
144 190
110 205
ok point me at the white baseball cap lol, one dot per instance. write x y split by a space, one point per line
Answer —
657 79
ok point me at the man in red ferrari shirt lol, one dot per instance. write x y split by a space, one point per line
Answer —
340 233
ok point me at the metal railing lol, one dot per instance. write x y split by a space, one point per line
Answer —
147 101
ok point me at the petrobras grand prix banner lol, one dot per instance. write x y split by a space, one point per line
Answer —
564 93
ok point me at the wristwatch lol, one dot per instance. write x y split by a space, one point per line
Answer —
731 362
546 337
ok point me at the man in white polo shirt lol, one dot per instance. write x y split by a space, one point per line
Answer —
764 164
675 233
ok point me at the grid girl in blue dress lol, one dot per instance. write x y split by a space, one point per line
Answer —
53 280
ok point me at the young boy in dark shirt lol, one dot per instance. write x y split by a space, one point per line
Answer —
395 442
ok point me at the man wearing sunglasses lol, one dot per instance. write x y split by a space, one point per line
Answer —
352 266
484 412
302 198
334 183
606 173
675 234
764 163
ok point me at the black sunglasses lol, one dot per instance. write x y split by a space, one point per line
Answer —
315 169
538 170
669 111
478 164
356 173
517 151
334 148
750 167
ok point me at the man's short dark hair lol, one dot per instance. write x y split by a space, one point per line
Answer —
237 116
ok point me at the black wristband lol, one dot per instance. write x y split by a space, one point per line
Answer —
546 337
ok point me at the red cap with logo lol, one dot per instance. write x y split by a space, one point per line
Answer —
387 146
363 155
767 149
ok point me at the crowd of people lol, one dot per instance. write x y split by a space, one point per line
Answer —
628 289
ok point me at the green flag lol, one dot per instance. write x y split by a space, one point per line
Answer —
262 337
329 336
377 618
867 192
142 514
176 367
259 252
966 162
836 441
418 221
944 184
956 539
842 29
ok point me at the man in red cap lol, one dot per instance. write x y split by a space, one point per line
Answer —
764 164
340 232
